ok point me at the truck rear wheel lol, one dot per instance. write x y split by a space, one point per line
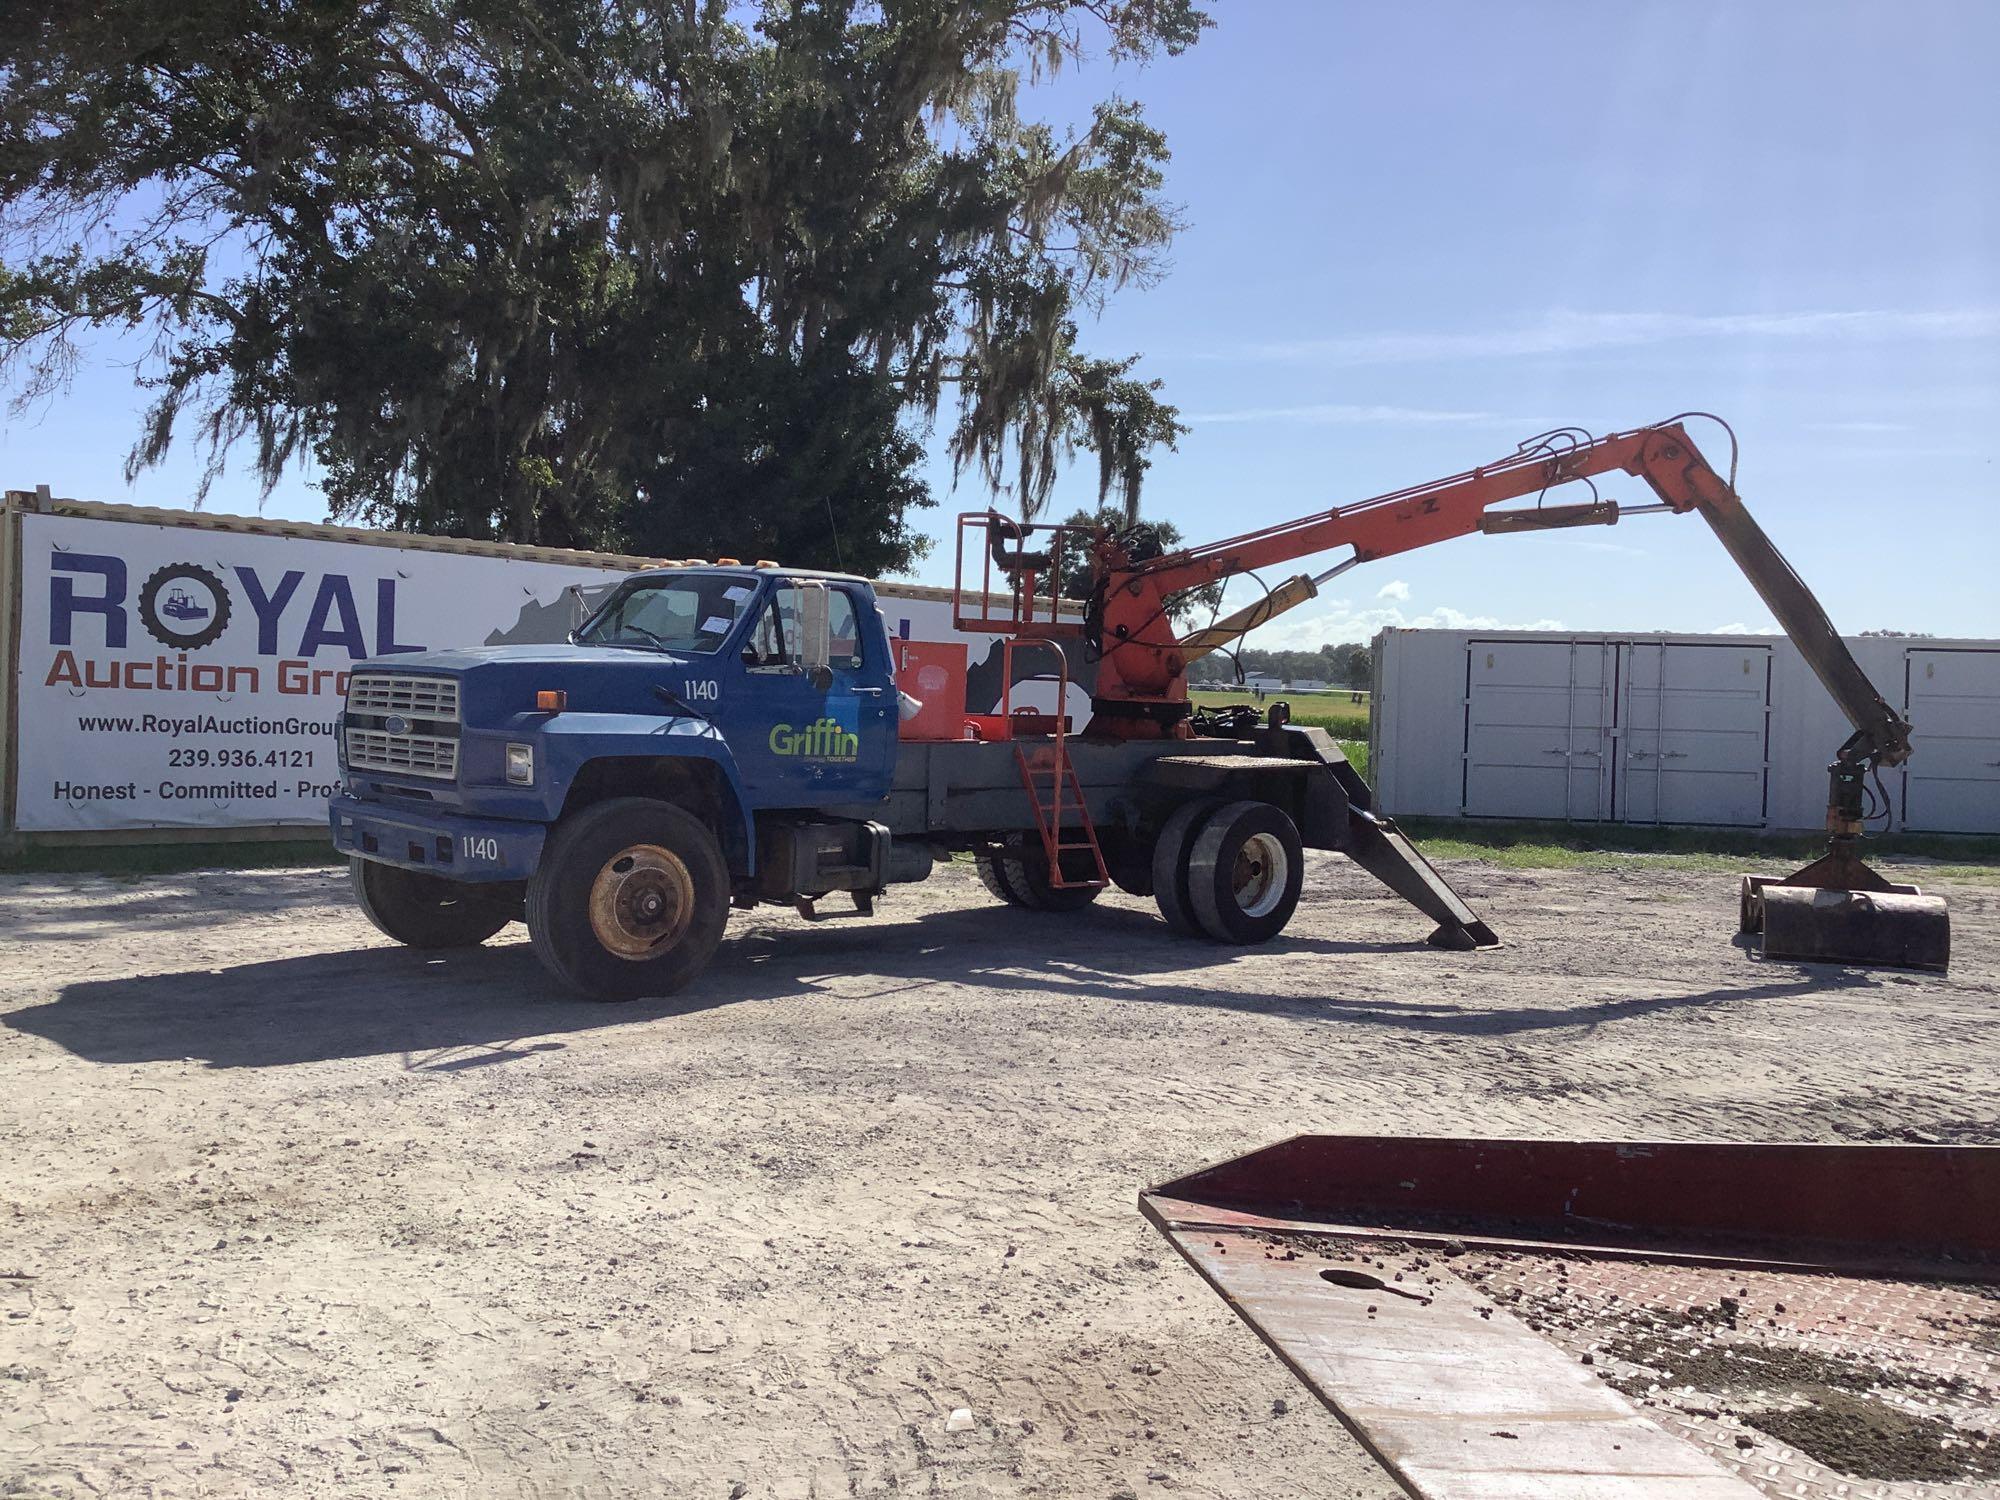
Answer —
1026 868
1128 860
1245 871
1170 863
993 875
630 899
428 911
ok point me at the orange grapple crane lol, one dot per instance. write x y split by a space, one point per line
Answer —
1836 908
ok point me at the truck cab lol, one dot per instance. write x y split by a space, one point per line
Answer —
687 739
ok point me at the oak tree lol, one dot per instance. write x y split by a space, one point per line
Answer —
678 277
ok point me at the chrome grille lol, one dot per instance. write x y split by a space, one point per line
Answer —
415 697
406 754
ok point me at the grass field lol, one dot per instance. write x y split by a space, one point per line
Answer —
1336 713
1520 846
1576 846
135 860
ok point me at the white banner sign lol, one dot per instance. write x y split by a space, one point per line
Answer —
178 676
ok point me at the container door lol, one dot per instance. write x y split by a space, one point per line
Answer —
1694 730
1538 729
1952 783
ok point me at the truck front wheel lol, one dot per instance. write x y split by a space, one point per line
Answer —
428 911
629 899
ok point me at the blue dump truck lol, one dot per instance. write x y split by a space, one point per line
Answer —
723 736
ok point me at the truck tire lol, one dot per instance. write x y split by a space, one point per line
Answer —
1025 867
630 899
1170 863
1129 863
428 911
993 875
1245 871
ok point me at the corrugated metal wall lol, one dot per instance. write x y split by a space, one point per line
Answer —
1670 729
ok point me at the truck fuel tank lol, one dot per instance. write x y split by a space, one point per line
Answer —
811 858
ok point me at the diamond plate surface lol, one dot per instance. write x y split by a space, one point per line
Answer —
1888 1390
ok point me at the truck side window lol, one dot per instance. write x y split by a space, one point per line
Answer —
846 632
776 638
777 632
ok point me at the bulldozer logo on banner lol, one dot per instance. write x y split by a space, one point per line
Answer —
183 605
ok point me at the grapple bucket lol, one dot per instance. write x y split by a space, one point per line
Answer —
1856 927
1838 910
1577 1320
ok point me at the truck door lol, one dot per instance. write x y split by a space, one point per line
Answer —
806 746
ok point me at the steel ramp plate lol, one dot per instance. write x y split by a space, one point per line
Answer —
1498 1320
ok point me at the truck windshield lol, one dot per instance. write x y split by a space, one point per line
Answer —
694 612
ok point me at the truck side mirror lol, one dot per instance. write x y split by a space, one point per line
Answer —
815 635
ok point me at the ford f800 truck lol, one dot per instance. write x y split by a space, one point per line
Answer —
719 735
722 736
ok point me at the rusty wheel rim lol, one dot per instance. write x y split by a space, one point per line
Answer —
1260 875
641 902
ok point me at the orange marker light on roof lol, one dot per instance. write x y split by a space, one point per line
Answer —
765 562
729 562
551 700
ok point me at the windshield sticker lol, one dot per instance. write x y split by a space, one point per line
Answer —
716 625
736 593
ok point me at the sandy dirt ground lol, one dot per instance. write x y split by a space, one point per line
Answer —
290 1211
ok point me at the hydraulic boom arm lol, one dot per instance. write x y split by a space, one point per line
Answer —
1836 907
1140 650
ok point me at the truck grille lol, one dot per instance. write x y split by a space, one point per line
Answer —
413 697
405 754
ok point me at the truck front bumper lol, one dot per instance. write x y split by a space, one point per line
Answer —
438 843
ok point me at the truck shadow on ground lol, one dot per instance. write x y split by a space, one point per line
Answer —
492 1005
74 905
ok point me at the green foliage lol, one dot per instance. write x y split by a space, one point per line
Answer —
680 279
1339 716
1189 608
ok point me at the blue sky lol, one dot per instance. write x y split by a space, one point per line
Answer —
1421 233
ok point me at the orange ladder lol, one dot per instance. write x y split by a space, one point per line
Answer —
1050 778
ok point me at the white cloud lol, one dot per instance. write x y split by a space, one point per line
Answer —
1334 413
1395 588
1739 628
1568 331
1338 622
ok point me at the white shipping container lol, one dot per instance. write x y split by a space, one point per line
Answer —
1713 730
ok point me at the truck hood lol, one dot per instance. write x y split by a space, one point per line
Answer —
497 684
457 659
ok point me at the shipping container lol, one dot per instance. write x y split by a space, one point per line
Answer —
1710 730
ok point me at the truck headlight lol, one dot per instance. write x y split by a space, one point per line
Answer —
521 765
